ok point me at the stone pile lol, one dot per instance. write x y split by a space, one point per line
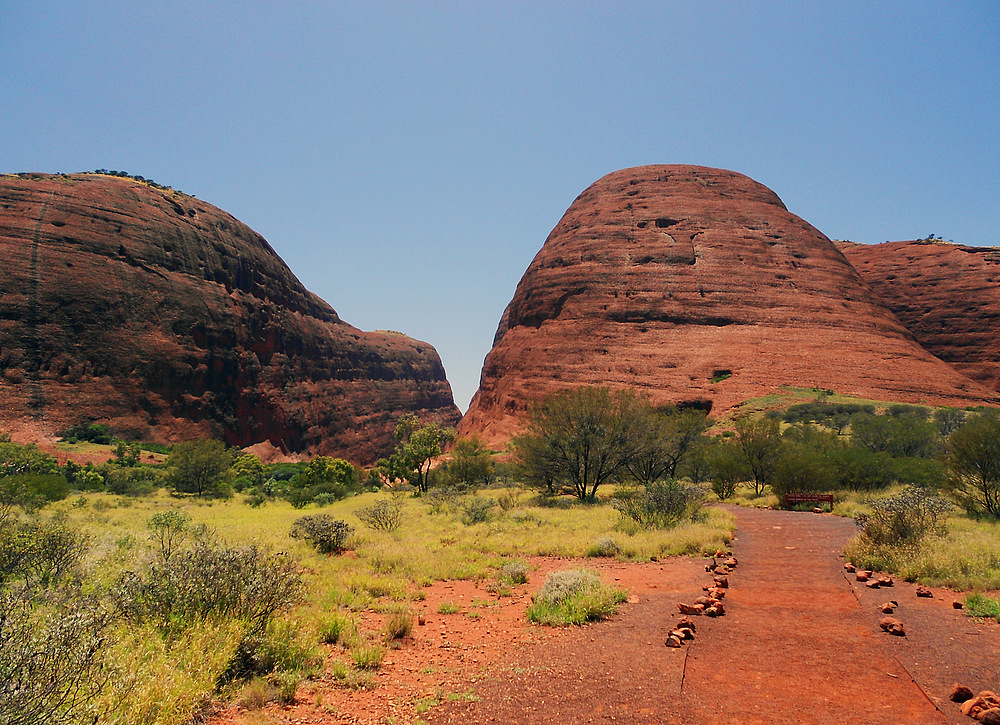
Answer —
710 604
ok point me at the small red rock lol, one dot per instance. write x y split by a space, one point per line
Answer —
861 576
684 622
873 583
722 582
892 626
888 608
960 693
716 610
850 568
672 641
923 591
958 604
695 609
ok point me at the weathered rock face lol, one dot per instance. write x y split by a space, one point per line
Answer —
167 319
665 277
947 295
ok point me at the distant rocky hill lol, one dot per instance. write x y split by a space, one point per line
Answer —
167 319
947 295
698 286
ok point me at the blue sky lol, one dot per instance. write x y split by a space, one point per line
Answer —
407 160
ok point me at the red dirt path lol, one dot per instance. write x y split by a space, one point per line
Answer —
800 643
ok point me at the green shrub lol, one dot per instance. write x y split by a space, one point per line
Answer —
574 597
283 646
660 504
135 481
476 509
40 552
168 530
52 664
91 432
604 547
514 572
337 629
903 519
323 481
327 534
212 581
383 515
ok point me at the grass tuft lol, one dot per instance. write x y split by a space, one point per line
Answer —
575 596
979 605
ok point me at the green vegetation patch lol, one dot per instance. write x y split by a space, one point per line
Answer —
980 605
575 596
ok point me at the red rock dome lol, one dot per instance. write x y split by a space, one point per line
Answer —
665 278
167 319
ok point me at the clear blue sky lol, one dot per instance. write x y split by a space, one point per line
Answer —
407 160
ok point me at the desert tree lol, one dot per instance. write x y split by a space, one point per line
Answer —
200 467
665 437
580 438
972 460
418 445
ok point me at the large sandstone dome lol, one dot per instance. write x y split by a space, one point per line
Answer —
665 278
947 295
167 319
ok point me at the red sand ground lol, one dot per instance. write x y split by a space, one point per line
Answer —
800 643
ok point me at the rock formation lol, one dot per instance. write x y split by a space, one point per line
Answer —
167 319
696 285
947 295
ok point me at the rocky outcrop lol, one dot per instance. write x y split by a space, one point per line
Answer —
947 295
696 285
166 318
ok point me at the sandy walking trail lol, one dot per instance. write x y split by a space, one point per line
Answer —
800 644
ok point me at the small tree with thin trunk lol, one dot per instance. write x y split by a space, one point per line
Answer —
418 446
579 439
758 442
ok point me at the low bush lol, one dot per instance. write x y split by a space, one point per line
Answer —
604 547
327 534
383 515
476 509
282 647
90 432
211 581
168 530
575 596
40 552
903 519
338 629
514 572
52 664
660 504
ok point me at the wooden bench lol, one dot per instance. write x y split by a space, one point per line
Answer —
794 498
